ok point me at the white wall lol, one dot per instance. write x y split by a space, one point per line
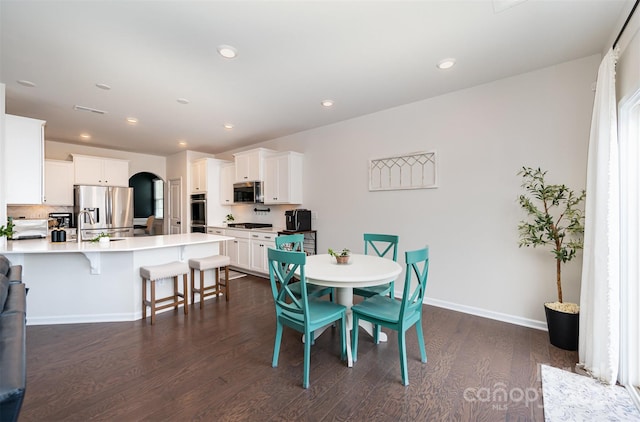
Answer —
628 67
483 136
3 200
137 162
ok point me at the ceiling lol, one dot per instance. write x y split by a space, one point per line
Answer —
366 56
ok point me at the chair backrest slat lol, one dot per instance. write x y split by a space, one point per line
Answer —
290 242
282 268
381 245
418 266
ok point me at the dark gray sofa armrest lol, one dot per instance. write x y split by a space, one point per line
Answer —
13 353
15 274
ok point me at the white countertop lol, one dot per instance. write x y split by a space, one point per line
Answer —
122 244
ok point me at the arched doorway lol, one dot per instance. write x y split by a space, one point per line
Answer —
148 199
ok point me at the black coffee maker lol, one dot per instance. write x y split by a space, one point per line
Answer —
298 220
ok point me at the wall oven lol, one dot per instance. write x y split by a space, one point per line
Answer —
199 213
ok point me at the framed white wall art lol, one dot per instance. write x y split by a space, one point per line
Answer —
417 170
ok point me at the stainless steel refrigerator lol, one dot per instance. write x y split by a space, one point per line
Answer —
103 209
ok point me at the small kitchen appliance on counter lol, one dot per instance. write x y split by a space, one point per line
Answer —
298 220
30 229
64 220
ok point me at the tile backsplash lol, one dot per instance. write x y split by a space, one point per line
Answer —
34 211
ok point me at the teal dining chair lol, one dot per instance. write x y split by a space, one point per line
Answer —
398 315
295 242
300 312
383 245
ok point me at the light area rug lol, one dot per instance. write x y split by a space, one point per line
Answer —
232 275
572 397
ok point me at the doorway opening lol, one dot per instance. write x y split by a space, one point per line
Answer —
148 200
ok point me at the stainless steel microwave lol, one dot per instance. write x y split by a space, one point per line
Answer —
247 193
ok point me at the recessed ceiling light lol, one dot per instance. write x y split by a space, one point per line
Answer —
327 103
26 83
228 126
446 64
85 136
182 101
182 143
227 51
103 86
132 120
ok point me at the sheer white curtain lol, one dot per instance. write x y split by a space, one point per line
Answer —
630 239
599 347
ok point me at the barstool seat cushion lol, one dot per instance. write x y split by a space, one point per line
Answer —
209 262
172 269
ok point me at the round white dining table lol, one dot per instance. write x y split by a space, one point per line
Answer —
360 271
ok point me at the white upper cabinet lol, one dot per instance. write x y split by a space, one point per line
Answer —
24 159
227 177
205 174
199 176
100 171
283 178
249 164
58 182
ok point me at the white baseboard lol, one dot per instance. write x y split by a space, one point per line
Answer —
82 319
525 322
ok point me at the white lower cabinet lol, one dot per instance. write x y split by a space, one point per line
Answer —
219 232
249 248
260 243
238 249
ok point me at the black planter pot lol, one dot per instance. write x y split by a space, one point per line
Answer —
563 328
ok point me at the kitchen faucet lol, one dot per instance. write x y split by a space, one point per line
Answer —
91 220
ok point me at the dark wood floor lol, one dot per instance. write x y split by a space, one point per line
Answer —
215 364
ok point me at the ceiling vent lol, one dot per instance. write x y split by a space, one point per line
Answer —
93 110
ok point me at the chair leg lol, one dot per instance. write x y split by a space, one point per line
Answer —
193 286
144 298
216 281
354 338
423 352
343 337
175 292
201 289
153 301
307 359
276 346
376 334
226 283
402 347
185 294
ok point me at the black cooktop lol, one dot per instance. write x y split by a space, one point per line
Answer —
249 225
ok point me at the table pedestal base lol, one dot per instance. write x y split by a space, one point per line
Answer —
344 296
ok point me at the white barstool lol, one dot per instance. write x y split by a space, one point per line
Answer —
152 273
209 263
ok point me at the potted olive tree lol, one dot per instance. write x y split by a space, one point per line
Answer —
556 220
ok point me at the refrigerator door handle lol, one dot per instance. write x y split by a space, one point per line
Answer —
108 204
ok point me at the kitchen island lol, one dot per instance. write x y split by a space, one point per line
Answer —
72 282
